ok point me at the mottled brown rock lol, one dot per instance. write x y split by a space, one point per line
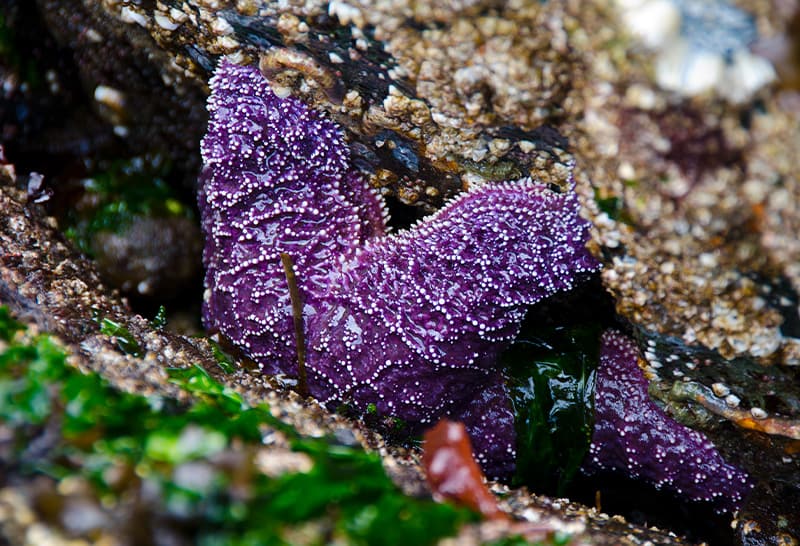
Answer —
432 105
151 255
688 256
436 97
120 70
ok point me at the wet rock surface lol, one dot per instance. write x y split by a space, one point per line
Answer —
694 199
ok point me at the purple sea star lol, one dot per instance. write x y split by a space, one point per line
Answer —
411 323
632 434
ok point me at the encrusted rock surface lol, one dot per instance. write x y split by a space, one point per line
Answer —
439 97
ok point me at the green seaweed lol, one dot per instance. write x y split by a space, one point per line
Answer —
614 206
610 205
123 337
557 539
6 38
123 191
552 378
223 359
13 53
159 322
514 540
93 428
8 326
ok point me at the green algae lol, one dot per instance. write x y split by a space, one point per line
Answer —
552 381
123 337
95 432
225 361
14 55
120 192
159 321
558 539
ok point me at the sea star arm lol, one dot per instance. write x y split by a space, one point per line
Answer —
489 420
416 322
632 434
276 178
412 323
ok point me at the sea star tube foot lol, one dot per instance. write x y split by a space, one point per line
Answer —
410 323
633 435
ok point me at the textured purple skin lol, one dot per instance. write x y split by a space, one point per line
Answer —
633 435
430 310
411 322
275 179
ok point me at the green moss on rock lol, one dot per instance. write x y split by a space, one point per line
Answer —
97 433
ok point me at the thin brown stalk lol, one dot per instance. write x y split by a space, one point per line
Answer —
297 315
